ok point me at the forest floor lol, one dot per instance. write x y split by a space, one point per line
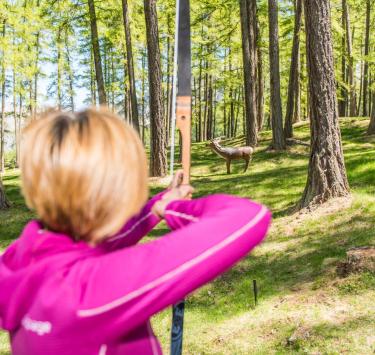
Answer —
303 306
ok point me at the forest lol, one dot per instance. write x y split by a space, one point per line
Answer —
293 79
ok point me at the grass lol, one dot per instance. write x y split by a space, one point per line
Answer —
303 307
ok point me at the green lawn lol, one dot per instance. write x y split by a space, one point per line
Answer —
300 296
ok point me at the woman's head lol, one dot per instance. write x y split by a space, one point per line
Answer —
83 173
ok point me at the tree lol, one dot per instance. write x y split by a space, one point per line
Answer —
248 30
96 51
278 139
367 50
129 56
293 88
3 94
326 172
158 160
371 127
349 47
4 203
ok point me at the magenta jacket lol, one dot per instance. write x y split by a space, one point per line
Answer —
62 297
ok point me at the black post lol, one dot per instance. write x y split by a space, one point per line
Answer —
255 289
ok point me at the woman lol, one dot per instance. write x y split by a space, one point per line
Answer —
76 281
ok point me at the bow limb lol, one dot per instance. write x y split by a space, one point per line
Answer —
183 123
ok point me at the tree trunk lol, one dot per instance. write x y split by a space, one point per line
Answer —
96 51
59 69
367 51
143 96
326 173
158 159
278 139
344 94
70 72
205 113
210 109
352 99
3 94
130 62
260 91
293 87
169 89
4 203
249 47
371 127
16 133
36 75
297 100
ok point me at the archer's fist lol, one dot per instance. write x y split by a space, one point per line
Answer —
176 192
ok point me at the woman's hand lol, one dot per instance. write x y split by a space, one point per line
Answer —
177 191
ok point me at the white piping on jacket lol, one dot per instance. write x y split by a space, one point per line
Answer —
182 215
103 350
180 269
122 235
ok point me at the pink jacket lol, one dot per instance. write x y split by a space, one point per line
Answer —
61 297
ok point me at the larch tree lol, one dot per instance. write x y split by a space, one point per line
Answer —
96 51
278 138
158 159
371 127
3 96
293 87
249 54
4 203
326 172
130 66
365 109
349 47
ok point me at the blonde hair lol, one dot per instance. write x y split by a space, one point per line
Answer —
84 173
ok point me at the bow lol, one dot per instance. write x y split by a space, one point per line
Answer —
181 117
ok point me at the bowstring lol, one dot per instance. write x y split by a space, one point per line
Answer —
174 90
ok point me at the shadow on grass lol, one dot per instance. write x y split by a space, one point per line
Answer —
300 265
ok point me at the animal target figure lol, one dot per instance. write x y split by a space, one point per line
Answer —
232 153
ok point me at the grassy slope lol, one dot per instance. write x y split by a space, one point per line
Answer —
295 268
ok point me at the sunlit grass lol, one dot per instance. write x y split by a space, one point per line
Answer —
299 292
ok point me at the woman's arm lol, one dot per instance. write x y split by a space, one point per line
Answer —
136 228
123 289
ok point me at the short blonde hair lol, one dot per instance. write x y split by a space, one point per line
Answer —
84 173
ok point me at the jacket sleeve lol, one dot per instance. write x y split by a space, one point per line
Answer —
210 234
136 228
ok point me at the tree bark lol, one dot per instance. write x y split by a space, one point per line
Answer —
293 87
210 109
158 160
371 127
367 51
343 92
278 139
200 131
4 203
3 94
326 173
352 98
143 97
59 69
96 51
205 113
259 76
248 15
16 133
70 72
130 62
